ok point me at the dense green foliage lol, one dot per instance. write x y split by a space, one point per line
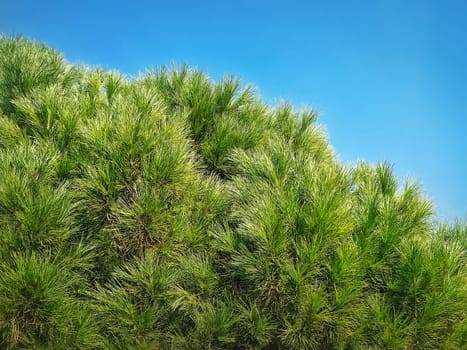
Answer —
169 211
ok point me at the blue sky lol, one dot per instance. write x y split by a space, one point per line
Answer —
389 77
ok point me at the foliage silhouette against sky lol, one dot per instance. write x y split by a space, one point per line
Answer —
388 76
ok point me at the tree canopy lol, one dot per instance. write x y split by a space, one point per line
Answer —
170 211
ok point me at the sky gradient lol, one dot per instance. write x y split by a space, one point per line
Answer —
389 77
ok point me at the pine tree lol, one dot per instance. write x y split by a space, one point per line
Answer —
169 211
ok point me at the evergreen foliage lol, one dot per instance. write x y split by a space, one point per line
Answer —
168 211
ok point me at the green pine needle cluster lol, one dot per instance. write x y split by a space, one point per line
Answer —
168 211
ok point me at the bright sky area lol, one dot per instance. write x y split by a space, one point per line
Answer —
389 77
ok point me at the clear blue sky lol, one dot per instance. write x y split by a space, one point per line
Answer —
390 77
